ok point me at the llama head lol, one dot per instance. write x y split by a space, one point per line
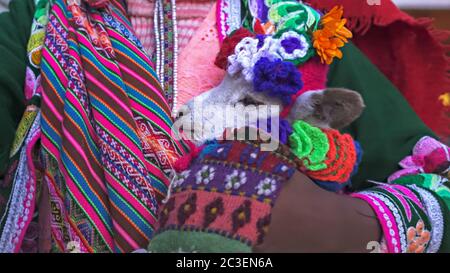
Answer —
234 104
333 108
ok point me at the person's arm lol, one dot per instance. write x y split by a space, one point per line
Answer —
409 215
307 218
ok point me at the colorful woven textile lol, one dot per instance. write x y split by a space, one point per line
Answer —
228 191
108 150
439 187
404 217
413 213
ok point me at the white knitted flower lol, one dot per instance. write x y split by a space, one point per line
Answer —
205 175
266 187
242 59
235 180
247 53
180 178
293 53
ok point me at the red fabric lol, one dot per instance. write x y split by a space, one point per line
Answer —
314 77
407 50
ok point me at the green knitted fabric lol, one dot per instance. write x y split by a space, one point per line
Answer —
194 241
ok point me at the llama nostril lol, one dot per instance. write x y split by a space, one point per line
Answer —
184 110
179 115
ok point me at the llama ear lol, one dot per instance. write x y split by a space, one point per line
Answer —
330 108
341 106
308 107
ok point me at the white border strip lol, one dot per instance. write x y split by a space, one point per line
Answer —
422 4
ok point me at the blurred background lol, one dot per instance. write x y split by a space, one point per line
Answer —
438 9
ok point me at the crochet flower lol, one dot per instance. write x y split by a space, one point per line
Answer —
180 178
340 160
309 144
228 46
235 180
428 156
277 78
205 175
244 58
333 35
293 15
295 47
267 186
248 52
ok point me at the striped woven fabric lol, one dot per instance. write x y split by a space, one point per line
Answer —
106 130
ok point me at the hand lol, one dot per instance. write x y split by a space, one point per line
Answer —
306 218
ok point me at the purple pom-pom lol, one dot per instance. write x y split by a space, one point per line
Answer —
277 78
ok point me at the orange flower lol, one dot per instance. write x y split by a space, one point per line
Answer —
333 35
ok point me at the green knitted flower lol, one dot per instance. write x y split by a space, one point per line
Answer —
309 144
293 15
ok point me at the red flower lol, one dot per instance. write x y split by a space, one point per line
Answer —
228 45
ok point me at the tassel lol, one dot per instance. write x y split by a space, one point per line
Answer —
183 162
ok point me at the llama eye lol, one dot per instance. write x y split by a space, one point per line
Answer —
249 101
